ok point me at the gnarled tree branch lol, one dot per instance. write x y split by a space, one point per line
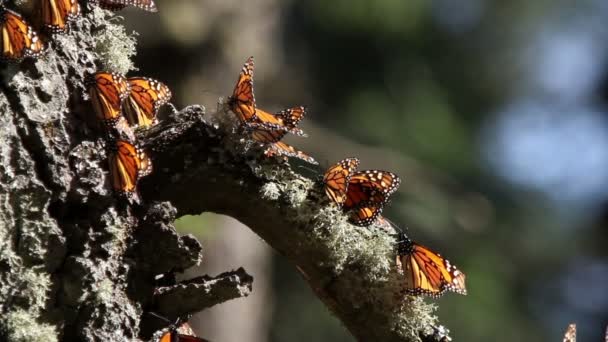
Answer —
78 263
204 164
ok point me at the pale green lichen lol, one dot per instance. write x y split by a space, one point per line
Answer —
296 191
270 191
37 288
104 293
113 44
415 316
22 326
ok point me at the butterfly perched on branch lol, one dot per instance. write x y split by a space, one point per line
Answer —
276 126
107 91
336 180
362 194
426 272
19 40
57 14
146 96
127 164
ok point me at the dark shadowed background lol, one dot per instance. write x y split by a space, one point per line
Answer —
493 113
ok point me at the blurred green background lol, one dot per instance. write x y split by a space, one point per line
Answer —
492 112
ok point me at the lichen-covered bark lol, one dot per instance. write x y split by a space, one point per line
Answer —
78 263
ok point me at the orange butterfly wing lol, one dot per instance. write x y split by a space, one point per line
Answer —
282 149
426 272
336 179
108 91
183 333
56 14
270 128
368 192
127 164
365 215
291 117
146 96
242 101
19 40
166 337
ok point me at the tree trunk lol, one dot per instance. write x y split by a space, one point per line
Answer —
79 263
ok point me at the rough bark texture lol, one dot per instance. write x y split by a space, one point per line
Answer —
78 263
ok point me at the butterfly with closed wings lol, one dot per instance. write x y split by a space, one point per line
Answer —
57 14
146 96
336 180
107 91
19 40
127 164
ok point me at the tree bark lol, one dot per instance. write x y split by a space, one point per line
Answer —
79 263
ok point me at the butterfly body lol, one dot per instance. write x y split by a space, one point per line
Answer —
426 272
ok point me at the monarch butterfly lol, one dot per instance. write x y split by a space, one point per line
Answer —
426 272
107 91
128 164
337 177
146 96
269 127
570 334
285 120
56 14
368 191
19 40
273 128
282 149
116 5
242 101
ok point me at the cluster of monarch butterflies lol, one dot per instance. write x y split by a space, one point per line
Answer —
262 127
20 40
122 104
362 195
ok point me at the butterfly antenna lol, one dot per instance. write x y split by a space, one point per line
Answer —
394 225
163 318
